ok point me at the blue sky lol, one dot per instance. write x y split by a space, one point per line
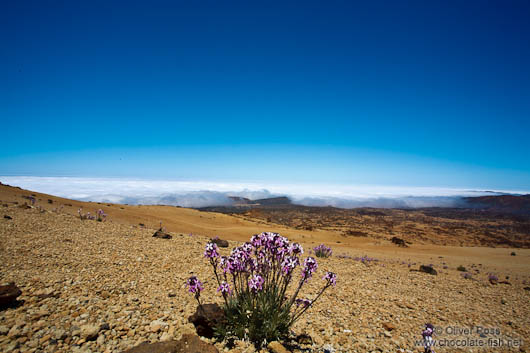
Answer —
426 93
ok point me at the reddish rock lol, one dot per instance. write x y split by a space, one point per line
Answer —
428 269
388 326
162 235
9 294
206 317
220 242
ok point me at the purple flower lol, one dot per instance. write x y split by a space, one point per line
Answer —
330 277
310 266
224 288
247 248
467 275
304 302
256 240
194 285
296 249
224 264
211 250
429 330
256 283
493 278
289 264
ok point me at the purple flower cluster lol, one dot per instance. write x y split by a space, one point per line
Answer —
467 275
365 259
429 330
194 285
264 267
256 283
224 288
101 216
322 251
330 277
303 302
85 216
310 266
211 250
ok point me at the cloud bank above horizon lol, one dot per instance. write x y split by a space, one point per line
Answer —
210 193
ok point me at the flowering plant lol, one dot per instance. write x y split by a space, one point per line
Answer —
254 281
100 216
322 251
428 341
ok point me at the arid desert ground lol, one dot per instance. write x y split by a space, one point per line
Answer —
115 279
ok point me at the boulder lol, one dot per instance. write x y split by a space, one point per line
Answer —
162 235
9 294
399 242
428 269
7 217
220 242
206 317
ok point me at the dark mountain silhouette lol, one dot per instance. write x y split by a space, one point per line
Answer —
517 204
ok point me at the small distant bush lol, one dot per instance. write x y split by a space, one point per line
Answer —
461 268
366 259
322 251
467 275
100 216
254 281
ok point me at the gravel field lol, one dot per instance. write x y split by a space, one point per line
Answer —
92 286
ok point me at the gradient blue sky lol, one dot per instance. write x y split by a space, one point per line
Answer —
421 93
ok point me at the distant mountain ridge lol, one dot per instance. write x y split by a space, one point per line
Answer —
270 201
502 204
518 204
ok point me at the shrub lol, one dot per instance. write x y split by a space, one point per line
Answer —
100 216
467 275
366 259
461 268
254 282
322 251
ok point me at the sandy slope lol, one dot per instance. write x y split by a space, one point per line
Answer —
186 221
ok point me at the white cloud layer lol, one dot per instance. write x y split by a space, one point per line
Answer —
207 193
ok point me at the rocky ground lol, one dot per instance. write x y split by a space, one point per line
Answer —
92 286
